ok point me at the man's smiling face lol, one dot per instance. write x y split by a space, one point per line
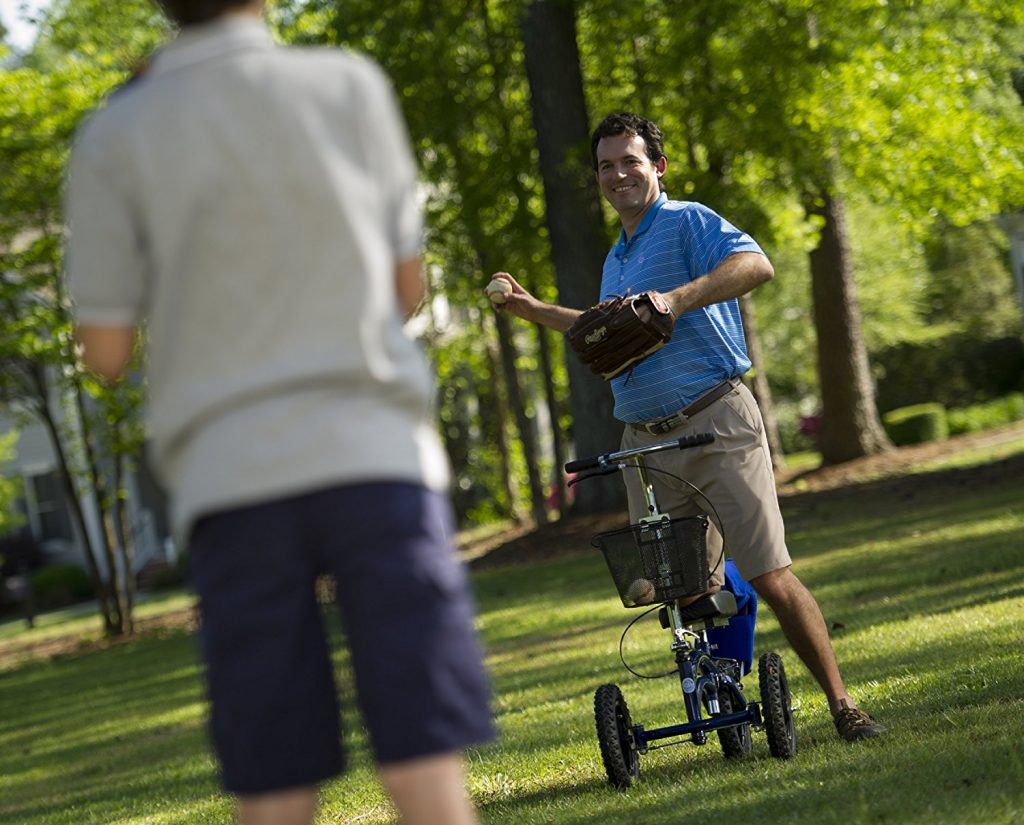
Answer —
628 178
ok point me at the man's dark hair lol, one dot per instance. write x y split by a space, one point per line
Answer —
628 123
191 12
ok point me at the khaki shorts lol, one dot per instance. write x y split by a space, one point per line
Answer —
734 472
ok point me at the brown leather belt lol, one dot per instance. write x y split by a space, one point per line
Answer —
663 425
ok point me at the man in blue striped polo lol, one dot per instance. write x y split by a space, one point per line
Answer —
701 264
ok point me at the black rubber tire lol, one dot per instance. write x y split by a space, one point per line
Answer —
776 707
736 742
611 714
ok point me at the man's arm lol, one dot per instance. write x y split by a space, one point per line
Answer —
410 286
735 276
521 303
106 350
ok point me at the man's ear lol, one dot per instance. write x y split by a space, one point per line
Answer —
661 165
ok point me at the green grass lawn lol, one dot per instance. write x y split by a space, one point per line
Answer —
925 593
81 620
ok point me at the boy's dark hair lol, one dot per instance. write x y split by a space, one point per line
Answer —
191 12
628 123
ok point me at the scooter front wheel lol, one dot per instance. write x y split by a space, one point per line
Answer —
776 706
615 735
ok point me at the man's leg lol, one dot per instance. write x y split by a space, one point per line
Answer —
804 628
294 806
429 791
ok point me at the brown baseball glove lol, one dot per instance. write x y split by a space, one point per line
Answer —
617 334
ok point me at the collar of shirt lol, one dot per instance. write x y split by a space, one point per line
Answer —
648 219
195 44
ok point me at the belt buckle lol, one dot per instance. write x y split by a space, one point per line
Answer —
666 424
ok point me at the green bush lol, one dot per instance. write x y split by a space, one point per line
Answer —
985 416
161 576
916 424
59 585
954 371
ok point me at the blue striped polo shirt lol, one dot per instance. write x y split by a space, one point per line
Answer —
677 242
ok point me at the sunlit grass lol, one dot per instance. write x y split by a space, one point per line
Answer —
1004 448
83 621
925 598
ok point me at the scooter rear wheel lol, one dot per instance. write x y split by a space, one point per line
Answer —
736 742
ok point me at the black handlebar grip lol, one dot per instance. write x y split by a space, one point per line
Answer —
695 440
582 464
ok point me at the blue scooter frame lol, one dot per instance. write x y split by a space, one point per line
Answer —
708 683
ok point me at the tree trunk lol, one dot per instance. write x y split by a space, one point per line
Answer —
558 480
759 381
126 539
851 427
578 240
99 585
501 416
101 492
525 426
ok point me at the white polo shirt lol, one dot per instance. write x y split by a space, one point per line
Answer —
249 202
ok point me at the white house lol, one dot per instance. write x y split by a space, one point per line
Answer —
48 515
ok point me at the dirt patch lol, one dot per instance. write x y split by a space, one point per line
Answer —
16 653
568 535
895 462
882 478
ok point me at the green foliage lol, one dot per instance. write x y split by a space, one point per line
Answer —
931 83
43 98
971 288
795 425
956 370
917 424
10 488
911 100
166 578
59 585
912 103
985 416
114 36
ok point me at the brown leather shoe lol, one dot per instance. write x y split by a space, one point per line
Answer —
854 724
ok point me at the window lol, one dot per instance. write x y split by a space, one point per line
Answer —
51 507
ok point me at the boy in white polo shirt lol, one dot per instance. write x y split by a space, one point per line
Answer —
255 207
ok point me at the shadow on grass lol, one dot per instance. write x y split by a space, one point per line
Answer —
97 796
916 773
933 561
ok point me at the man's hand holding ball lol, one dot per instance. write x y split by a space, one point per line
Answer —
498 290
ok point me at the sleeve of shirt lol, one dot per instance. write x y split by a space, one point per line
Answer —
104 262
399 170
708 239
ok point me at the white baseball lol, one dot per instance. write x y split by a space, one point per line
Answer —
640 591
498 289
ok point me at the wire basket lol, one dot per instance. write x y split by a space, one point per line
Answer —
654 563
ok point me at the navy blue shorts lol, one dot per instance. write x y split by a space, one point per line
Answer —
406 609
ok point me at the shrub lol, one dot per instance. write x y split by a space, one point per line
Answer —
59 585
955 371
917 424
798 433
979 417
162 578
